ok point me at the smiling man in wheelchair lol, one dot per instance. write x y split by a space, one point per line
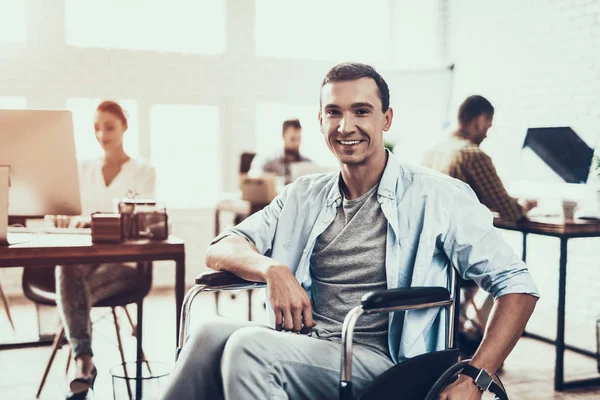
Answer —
327 241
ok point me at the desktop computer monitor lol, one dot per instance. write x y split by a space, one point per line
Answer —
37 151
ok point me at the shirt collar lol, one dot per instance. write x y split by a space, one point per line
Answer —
461 135
390 185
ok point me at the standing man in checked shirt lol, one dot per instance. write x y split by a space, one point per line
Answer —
461 157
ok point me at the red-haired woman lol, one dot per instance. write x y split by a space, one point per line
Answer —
79 287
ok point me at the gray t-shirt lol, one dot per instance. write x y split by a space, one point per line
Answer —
347 262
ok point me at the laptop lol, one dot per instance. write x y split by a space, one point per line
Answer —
567 154
566 162
308 167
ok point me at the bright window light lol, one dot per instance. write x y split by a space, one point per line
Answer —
336 30
185 26
13 21
269 120
13 103
185 149
84 109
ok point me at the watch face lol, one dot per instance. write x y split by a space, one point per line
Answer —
483 380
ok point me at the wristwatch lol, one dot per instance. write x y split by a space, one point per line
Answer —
484 381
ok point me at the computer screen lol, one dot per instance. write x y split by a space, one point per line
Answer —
299 169
563 151
38 146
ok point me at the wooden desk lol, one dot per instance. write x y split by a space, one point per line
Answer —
564 230
39 250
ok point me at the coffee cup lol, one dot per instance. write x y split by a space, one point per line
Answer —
568 208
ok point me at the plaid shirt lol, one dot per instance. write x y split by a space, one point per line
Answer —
464 160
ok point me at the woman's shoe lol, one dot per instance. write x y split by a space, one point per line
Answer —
80 386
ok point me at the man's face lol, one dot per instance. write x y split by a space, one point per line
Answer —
352 121
292 138
484 123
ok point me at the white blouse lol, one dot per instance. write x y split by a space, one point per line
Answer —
135 175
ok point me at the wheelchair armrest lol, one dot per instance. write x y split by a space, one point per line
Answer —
416 297
224 279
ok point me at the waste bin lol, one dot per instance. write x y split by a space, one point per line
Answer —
148 386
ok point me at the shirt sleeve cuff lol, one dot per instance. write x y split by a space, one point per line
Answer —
519 284
229 232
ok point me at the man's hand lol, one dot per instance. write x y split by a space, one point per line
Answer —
293 311
462 389
528 204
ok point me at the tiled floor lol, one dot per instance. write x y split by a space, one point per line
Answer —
527 374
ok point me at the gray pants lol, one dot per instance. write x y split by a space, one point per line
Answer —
78 288
233 360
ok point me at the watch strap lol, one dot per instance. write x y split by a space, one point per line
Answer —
493 387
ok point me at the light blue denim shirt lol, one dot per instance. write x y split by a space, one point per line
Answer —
434 221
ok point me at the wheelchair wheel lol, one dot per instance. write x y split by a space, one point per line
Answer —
450 376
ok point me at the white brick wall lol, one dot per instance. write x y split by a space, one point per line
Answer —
538 62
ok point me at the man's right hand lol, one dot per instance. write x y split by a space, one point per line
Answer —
290 302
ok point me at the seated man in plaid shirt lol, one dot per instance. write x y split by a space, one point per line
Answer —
461 158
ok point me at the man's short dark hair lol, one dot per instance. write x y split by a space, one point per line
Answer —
352 71
290 123
473 107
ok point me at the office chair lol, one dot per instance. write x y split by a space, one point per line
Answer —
406 379
39 286
246 161
245 164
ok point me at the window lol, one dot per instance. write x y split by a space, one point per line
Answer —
337 30
13 21
185 149
13 102
269 119
186 26
83 110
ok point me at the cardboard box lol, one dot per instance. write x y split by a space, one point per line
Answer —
260 190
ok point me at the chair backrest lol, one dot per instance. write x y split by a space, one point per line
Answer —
39 286
245 161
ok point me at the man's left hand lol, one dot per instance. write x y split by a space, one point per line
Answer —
462 389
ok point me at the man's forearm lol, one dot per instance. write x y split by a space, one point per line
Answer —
236 255
505 326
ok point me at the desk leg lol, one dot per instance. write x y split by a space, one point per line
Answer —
138 332
559 369
524 254
217 222
179 291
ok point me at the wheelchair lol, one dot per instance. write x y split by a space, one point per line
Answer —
405 380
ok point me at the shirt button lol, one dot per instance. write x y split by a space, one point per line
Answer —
304 251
